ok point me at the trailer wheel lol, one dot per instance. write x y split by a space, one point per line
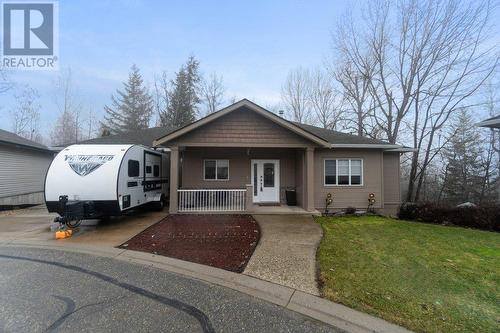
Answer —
159 205
73 223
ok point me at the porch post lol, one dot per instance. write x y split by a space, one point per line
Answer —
249 197
174 179
309 169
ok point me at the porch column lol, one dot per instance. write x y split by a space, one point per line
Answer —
309 186
174 179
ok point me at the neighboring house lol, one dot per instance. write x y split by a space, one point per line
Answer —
493 122
23 165
143 137
243 158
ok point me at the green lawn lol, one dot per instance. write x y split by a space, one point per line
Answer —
427 278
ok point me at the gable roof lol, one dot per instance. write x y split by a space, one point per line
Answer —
16 140
143 137
323 137
493 122
250 105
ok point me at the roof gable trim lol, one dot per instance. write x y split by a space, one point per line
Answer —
252 106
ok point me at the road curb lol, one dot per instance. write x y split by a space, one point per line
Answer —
312 306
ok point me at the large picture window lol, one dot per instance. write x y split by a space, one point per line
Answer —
216 170
343 172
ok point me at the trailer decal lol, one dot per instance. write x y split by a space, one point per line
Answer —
85 164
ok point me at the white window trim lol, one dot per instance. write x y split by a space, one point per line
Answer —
216 166
336 159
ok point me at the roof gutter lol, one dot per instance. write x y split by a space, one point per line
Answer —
386 147
494 123
364 145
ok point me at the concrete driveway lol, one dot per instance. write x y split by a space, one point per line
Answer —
286 253
34 224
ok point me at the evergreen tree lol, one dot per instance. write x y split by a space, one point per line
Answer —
183 97
464 174
133 107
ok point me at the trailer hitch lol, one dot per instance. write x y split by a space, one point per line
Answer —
71 213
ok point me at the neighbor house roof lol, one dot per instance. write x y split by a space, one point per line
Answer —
493 122
143 137
323 137
16 140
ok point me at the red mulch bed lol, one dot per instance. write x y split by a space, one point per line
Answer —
223 241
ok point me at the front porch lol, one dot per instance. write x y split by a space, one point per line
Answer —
206 180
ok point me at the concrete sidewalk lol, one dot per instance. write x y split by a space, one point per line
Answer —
312 306
286 253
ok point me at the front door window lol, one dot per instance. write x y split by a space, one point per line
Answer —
268 174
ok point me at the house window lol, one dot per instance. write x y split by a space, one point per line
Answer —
133 168
343 172
343 175
331 172
216 170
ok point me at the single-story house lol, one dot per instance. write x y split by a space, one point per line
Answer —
23 165
244 157
493 122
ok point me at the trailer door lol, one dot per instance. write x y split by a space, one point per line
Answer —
153 172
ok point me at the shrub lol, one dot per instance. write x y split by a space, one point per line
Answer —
350 210
486 218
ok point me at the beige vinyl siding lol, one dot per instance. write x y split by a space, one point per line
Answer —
239 167
349 196
241 127
22 171
392 191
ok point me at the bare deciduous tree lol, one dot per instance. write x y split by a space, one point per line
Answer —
430 57
26 114
354 69
295 95
161 97
212 93
324 100
68 127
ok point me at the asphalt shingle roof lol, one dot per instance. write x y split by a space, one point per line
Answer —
141 137
14 139
336 137
147 136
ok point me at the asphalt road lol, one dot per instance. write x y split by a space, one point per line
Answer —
45 290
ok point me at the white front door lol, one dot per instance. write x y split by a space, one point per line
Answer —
266 180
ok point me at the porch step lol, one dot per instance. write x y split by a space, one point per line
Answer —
269 204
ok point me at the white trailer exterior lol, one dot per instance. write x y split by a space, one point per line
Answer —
106 179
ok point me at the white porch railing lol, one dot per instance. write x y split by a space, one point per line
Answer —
212 200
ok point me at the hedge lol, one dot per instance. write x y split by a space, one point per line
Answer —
485 218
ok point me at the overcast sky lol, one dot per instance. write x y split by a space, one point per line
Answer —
252 44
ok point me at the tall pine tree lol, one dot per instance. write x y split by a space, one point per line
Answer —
463 173
132 109
183 97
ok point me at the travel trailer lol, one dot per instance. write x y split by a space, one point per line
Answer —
98 180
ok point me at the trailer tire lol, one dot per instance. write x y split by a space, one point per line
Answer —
160 204
73 223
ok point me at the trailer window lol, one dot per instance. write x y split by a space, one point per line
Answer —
156 171
133 168
148 168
